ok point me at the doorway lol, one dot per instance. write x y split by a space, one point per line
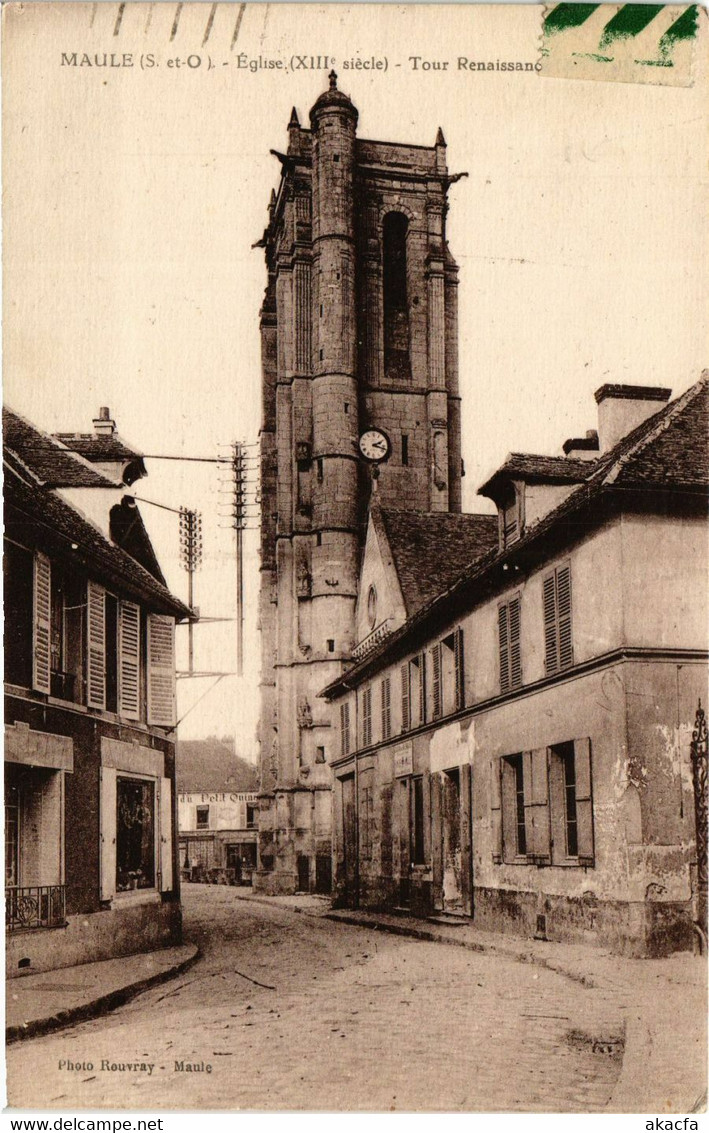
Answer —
349 842
453 901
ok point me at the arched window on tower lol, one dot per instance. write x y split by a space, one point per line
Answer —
397 363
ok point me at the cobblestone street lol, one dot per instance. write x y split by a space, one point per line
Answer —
293 1011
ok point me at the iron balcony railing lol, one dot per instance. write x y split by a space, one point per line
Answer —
34 906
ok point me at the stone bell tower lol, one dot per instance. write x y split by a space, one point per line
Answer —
358 331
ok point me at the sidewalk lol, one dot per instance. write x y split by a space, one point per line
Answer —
47 1001
664 1001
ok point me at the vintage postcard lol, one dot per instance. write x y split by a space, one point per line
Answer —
355 473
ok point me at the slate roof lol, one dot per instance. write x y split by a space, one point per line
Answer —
667 452
46 458
537 469
430 549
92 446
48 521
212 765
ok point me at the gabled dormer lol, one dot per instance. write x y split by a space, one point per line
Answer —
527 487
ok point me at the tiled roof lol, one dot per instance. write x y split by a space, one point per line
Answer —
430 549
667 451
46 458
96 447
537 469
672 449
46 520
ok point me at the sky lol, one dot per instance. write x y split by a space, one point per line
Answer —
134 196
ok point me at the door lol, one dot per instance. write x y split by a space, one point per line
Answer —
451 843
349 842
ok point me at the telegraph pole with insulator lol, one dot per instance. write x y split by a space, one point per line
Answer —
239 524
191 559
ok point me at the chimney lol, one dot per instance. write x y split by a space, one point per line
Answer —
622 408
582 448
104 425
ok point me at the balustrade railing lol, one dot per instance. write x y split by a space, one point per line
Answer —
34 906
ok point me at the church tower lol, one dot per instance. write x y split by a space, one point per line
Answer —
358 331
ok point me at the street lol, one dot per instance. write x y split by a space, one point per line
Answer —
287 1010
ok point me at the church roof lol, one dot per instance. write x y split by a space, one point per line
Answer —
430 549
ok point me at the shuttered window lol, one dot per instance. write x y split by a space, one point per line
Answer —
386 708
558 647
161 670
96 639
366 717
508 623
436 681
344 728
405 697
129 660
41 618
458 649
422 688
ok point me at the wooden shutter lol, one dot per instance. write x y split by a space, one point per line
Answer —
435 790
503 635
584 801
436 690
129 660
422 688
459 653
536 805
96 638
41 617
466 838
366 717
386 708
345 728
496 809
563 612
405 697
551 659
515 645
165 846
107 819
161 670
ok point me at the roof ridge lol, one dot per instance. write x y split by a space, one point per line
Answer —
664 419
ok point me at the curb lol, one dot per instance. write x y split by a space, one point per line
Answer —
100 1006
432 937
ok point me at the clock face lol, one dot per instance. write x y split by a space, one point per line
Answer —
374 445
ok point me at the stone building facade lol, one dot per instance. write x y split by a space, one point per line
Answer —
90 815
517 749
359 330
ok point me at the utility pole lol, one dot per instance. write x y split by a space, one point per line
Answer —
191 559
239 524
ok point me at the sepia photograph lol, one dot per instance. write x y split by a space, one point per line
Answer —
355 474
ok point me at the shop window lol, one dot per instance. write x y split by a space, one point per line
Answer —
509 631
135 834
202 816
418 856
